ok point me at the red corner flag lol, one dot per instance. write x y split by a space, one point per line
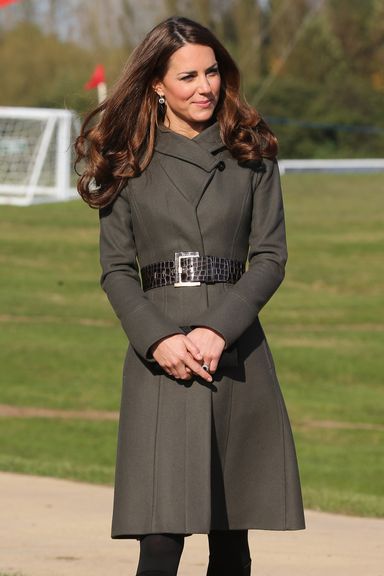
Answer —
98 77
5 2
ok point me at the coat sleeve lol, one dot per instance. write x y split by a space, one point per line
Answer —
141 320
240 305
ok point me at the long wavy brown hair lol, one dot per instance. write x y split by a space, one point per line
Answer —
117 138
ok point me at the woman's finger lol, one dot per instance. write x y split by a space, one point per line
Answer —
193 349
198 369
213 364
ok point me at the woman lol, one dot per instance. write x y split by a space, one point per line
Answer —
185 176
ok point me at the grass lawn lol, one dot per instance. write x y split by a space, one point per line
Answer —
74 449
61 347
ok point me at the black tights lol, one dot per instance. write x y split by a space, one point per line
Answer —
160 554
228 554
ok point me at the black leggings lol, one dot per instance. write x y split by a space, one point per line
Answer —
228 554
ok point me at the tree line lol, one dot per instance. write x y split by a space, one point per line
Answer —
314 68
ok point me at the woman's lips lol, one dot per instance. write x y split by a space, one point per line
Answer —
204 103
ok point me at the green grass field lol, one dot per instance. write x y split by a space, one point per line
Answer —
62 348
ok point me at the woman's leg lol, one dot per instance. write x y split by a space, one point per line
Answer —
229 553
160 554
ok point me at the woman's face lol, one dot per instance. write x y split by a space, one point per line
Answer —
191 87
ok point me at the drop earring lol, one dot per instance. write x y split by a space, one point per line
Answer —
161 99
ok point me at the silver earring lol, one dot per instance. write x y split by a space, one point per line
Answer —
161 100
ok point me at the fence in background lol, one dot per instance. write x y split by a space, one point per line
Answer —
36 157
352 165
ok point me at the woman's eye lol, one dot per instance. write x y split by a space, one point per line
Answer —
189 77
213 72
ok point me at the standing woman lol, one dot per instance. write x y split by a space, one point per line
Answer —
185 177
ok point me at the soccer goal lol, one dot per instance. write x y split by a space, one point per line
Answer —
36 155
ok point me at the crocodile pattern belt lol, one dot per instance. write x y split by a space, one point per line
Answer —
190 269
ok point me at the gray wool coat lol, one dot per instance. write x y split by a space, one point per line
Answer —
194 456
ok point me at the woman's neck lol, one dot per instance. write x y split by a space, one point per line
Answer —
184 128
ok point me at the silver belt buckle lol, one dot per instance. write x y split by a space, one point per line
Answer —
179 256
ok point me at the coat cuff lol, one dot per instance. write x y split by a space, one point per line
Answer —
219 320
145 324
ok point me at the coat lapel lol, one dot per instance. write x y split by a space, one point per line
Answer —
190 164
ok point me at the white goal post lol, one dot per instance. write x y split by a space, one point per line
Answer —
36 155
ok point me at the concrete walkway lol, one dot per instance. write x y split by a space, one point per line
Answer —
51 527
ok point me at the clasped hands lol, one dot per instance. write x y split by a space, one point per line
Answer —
183 355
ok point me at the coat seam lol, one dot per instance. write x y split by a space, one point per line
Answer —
284 483
154 475
239 224
143 227
185 463
204 189
174 183
228 428
282 426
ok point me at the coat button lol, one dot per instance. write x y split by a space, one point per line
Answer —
221 165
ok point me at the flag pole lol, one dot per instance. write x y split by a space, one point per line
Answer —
97 80
101 92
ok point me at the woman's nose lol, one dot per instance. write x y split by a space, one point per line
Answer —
204 85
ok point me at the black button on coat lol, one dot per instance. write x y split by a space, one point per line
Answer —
192 456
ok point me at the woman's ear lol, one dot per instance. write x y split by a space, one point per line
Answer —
158 88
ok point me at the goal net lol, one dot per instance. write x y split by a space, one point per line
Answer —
36 155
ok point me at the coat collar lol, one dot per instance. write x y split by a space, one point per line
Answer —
199 150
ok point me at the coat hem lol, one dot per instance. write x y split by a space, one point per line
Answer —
138 535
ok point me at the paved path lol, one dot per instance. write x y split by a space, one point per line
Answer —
51 527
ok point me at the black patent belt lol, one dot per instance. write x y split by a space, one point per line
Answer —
191 269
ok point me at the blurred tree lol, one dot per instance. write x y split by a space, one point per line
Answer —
314 67
286 19
316 54
376 33
350 21
241 32
28 9
45 71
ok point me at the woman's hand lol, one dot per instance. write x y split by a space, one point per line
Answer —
210 343
179 356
